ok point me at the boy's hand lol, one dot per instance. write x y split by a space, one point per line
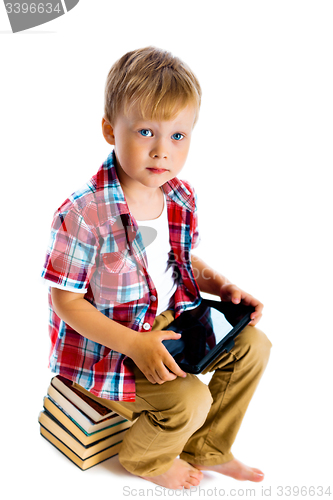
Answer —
152 357
231 293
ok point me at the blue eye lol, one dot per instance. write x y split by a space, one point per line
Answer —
145 132
177 137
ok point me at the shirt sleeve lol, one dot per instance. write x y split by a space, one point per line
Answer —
62 287
194 229
71 253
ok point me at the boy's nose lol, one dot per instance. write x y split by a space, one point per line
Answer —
159 150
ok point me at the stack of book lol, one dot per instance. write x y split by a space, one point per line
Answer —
79 425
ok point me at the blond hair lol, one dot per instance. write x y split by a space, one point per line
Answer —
160 85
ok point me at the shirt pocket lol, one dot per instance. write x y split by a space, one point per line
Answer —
121 279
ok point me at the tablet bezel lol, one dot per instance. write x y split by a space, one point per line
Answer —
225 344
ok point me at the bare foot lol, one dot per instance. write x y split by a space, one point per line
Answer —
235 469
180 475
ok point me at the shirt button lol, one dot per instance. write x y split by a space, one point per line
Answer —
152 298
146 326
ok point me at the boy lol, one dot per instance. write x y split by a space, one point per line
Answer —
121 267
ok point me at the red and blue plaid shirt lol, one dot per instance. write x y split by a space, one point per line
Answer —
96 248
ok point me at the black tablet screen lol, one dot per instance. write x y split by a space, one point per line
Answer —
203 328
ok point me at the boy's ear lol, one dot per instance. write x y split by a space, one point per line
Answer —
107 130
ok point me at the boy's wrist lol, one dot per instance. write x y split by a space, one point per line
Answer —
128 342
216 284
220 282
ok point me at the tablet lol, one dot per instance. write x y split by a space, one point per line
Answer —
206 332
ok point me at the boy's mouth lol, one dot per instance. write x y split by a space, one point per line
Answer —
157 170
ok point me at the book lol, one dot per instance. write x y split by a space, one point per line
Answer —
97 409
90 407
113 405
82 451
74 428
78 415
84 464
83 427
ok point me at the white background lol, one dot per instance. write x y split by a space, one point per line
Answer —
261 162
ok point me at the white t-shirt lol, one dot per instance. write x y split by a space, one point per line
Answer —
155 235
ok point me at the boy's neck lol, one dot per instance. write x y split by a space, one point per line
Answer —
141 196
145 205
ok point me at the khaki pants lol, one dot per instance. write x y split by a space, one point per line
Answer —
188 418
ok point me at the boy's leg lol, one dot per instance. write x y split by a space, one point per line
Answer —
236 377
169 414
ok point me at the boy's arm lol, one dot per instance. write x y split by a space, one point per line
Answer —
210 281
144 348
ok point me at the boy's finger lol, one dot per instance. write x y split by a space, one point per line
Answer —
164 375
232 293
161 374
174 368
255 320
257 305
169 334
236 297
248 300
149 377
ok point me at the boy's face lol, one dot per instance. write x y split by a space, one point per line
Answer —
149 153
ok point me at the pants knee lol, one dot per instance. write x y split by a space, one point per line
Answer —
203 401
256 344
194 401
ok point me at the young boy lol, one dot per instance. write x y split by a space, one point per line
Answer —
121 267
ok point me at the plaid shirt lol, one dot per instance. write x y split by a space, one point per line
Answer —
96 248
